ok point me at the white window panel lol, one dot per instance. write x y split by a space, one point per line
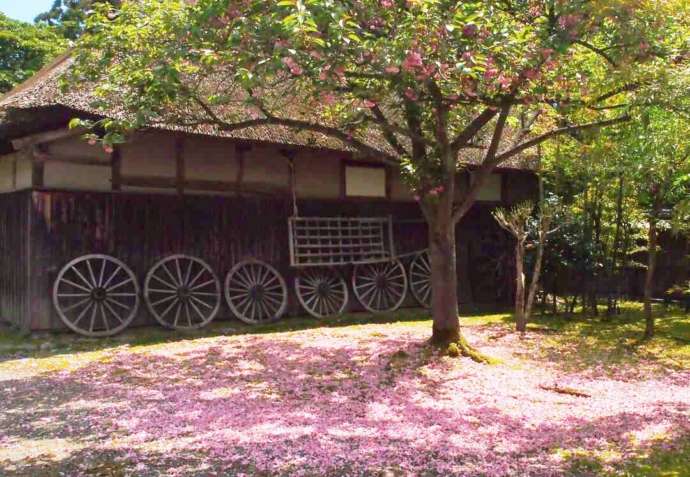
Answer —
363 181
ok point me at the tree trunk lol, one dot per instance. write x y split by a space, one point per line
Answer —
536 273
444 279
649 276
520 319
613 297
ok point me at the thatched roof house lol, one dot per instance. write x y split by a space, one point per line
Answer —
220 196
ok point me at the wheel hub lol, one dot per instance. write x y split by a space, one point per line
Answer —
257 292
99 294
323 289
381 281
183 293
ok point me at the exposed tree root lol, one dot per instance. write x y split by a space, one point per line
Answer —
474 354
460 347
565 390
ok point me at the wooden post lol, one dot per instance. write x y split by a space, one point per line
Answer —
116 168
290 155
37 168
240 151
179 164
14 173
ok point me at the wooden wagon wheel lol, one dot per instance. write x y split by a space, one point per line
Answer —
255 292
380 287
182 292
96 295
420 279
321 291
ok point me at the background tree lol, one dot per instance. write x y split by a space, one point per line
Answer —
424 85
24 49
68 17
657 149
530 233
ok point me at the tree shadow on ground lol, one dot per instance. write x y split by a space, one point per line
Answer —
346 401
578 343
18 346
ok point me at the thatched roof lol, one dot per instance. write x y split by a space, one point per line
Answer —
41 97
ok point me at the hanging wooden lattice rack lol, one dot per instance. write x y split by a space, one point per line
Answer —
329 241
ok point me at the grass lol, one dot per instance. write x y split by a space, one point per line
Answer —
578 341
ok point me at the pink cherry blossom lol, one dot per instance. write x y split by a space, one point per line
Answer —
470 30
362 400
328 98
411 94
412 61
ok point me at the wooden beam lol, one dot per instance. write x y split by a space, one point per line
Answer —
149 181
45 137
116 168
13 156
40 156
157 182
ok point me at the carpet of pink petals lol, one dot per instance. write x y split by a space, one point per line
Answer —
366 400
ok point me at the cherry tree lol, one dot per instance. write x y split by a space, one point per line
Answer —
425 85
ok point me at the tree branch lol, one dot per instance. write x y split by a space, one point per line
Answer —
488 165
598 51
565 130
472 129
295 124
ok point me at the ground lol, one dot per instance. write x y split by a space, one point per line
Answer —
354 396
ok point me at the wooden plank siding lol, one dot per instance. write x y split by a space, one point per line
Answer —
141 228
14 255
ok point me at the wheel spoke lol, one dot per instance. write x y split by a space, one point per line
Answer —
196 277
203 285
201 302
93 317
196 308
101 275
177 312
83 313
79 274
105 318
164 300
115 287
75 285
91 274
160 290
115 302
164 266
179 271
170 307
112 311
76 305
110 279
189 272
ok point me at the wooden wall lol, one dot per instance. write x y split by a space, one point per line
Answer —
162 194
14 253
141 228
